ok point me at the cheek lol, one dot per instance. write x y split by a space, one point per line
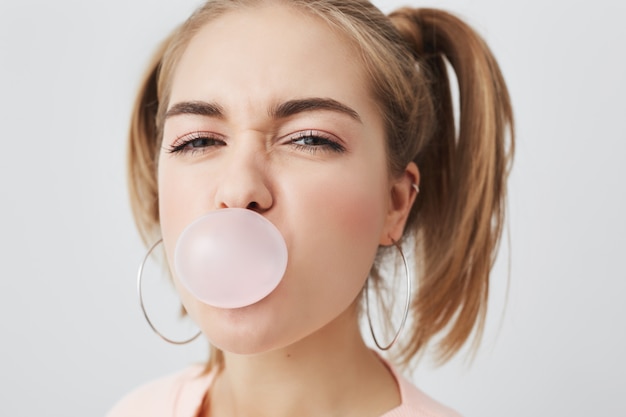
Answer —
334 231
361 213
353 206
176 209
171 215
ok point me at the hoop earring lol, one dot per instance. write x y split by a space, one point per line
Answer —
145 313
406 305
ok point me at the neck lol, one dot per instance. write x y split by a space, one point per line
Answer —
331 372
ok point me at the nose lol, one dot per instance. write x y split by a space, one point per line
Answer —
244 180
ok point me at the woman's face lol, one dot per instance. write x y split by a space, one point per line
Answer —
270 110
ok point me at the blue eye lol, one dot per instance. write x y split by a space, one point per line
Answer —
195 142
201 143
312 141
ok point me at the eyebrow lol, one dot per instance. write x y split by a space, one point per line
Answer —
281 111
200 108
293 107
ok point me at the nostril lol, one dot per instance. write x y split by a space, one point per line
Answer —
244 191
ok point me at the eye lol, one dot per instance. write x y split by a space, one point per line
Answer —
315 141
195 142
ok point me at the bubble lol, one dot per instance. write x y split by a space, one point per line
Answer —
230 258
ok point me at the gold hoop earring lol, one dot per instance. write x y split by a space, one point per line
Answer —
145 313
406 305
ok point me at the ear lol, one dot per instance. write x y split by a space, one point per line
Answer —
403 191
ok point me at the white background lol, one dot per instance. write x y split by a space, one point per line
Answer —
72 340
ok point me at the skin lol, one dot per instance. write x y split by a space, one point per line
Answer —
318 171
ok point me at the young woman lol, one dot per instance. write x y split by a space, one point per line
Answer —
335 123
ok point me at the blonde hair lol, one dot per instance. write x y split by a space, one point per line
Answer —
457 220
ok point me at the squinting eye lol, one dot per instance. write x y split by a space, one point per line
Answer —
195 142
314 141
200 143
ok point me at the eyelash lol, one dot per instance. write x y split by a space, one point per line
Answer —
184 144
324 142
321 142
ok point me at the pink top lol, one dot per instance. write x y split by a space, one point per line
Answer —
181 395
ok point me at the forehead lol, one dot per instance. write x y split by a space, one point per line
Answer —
270 52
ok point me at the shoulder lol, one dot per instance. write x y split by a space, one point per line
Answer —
162 397
416 403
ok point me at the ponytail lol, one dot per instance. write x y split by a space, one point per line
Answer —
143 152
459 215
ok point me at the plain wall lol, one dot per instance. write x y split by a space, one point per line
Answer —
73 340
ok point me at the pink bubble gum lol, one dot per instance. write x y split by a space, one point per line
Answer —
230 258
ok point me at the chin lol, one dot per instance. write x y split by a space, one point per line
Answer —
243 331
241 342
